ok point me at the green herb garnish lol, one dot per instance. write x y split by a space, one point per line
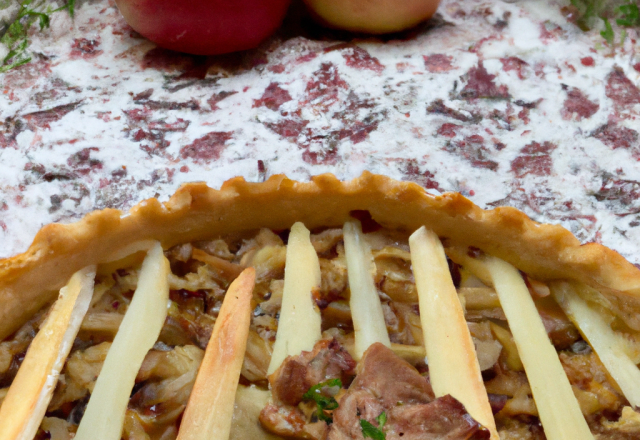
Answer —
16 36
370 431
324 403
630 15
382 419
591 12
607 33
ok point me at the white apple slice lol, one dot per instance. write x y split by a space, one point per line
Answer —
26 402
366 311
209 412
453 365
608 345
299 327
138 332
557 405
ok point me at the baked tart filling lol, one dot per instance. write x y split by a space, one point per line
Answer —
326 310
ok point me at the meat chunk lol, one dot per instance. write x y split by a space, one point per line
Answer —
445 418
386 383
292 380
390 379
297 374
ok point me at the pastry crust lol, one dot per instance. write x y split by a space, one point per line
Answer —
196 212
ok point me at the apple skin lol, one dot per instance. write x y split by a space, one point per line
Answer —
372 16
204 27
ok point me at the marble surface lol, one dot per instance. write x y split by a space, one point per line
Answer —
507 103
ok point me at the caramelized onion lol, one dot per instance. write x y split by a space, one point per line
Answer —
256 358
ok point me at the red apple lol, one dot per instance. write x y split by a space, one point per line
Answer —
204 27
372 16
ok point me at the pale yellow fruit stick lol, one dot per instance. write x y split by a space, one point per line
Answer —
453 364
104 416
608 345
557 405
366 310
30 393
209 412
300 326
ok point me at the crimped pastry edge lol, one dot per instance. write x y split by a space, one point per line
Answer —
196 212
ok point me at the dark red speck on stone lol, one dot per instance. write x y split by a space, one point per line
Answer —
438 63
273 97
82 163
43 118
481 85
208 147
587 61
579 105
217 97
515 64
358 58
288 128
614 136
535 160
438 107
448 129
85 48
326 85
621 90
473 150
425 179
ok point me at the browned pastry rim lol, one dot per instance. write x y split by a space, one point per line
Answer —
197 212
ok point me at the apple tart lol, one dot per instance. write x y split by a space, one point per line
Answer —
319 310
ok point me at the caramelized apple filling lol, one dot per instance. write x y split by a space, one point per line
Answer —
387 388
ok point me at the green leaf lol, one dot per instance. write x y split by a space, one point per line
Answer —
16 38
607 33
323 402
370 431
382 419
630 15
17 62
71 7
41 16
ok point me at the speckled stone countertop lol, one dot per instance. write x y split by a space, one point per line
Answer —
507 103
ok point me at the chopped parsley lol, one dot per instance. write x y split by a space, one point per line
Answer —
629 15
323 402
593 12
382 419
370 431
607 33
15 38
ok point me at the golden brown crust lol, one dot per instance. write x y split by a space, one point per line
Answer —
210 408
29 280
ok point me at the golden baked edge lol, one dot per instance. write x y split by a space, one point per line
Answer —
196 212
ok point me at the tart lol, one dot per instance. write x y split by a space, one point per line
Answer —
326 309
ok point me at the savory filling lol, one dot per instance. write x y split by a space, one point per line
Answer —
323 392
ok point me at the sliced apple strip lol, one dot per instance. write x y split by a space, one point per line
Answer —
138 332
366 311
557 405
26 401
209 412
299 327
453 365
608 345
